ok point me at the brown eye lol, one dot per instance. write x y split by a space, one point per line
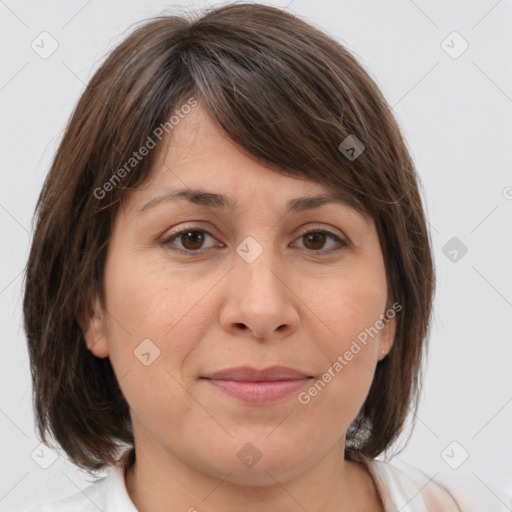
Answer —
314 240
192 240
317 239
188 240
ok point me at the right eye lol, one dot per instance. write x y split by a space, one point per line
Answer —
191 240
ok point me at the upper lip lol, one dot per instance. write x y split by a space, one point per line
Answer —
246 373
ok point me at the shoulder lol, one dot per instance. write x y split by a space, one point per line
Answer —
91 499
406 486
436 496
409 490
108 494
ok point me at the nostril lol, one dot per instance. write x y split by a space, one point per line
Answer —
242 326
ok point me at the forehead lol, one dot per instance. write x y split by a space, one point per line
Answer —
199 163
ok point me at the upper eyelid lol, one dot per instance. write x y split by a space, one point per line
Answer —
302 231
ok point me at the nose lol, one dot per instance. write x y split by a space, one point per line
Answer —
260 300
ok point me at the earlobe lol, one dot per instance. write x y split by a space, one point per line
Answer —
387 338
95 332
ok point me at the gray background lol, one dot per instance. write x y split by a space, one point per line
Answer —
455 112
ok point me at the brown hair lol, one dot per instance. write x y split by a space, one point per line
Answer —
288 95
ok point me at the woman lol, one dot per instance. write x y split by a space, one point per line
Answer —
230 283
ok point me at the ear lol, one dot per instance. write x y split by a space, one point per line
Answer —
95 332
387 335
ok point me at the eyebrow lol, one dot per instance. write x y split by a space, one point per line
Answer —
220 201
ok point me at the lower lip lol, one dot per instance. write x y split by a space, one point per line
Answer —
259 392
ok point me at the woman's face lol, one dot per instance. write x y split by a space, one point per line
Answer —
253 284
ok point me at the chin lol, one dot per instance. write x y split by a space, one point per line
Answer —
262 474
252 466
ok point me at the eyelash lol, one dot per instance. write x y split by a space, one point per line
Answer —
167 241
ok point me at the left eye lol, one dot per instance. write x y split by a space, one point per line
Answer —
315 240
192 240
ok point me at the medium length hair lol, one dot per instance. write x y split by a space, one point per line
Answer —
287 94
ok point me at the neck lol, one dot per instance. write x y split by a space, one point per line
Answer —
160 481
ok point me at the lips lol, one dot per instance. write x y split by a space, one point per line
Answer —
258 386
249 374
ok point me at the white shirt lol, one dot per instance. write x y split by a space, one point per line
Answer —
406 490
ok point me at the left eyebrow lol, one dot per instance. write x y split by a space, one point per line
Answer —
220 201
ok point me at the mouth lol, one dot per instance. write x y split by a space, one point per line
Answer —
258 386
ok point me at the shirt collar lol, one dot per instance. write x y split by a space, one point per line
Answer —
118 499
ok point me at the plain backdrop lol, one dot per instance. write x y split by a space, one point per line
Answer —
445 67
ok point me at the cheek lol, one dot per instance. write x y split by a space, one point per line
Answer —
147 301
349 356
147 298
150 336
347 304
346 310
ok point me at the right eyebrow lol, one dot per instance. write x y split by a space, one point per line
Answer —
200 197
